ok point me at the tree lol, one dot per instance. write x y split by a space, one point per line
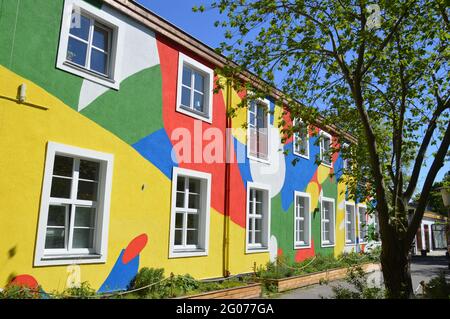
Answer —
435 202
383 68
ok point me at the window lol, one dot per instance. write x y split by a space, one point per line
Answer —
362 224
301 141
258 132
258 217
191 193
195 86
75 206
347 162
302 224
325 146
89 43
327 221
350 222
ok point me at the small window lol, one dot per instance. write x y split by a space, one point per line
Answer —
190 213
75 204
89 41
325 147
302 224
362 224
258 130
327 221
195 85
301 141
350 223
258 218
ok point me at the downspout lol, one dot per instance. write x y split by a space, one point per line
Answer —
229 144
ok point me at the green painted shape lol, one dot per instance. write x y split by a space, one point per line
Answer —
95 3
34 57
282 227
131 113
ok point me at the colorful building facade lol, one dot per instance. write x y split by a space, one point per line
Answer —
118 155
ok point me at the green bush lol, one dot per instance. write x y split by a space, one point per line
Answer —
84 291
145 277
360 287
437 288
19 292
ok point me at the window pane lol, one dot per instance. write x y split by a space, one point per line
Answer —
87 190
179 220
194 186
187 74
259 208
63 166
194 201
79 26
180 200
100 39
192 237
259 196
55 238
185 96
56 216
85 217
198 101
61 187
258 237
178 237
99 61
180 183
76 51
89 170
192 221
199 81
258 224
83 238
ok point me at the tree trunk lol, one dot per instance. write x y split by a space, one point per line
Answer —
395 265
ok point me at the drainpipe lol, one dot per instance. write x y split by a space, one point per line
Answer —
228 159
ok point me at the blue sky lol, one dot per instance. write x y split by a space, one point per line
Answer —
201 26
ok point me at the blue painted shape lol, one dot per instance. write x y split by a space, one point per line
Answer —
243 162
121 275
157 148
298 177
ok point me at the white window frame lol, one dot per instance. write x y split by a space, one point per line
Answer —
302 245
333 228
115 46
204 220
99 252
295 136
323 133
349 242
265 236
362 240
345 161
249 155
208 95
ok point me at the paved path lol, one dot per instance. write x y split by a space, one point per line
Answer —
422 268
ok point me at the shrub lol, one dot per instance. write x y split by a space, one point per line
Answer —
145 277
360 287
19 292
84 291
437 288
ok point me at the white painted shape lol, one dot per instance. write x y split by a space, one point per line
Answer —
139 52
273 248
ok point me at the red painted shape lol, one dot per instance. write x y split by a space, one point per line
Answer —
306 253
134 248
25 281
168 53
280 252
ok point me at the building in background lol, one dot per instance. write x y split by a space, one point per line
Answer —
114 151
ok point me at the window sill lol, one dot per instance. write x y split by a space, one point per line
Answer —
69 259
179 253
197 115
305 246
327 245
301 155
258 159
327 165
256 250
88 75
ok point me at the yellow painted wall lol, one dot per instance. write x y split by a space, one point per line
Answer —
24 133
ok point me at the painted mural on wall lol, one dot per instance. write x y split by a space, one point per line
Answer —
136 124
